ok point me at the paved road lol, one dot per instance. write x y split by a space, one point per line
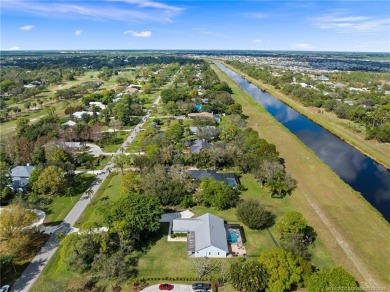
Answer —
33 270
176 288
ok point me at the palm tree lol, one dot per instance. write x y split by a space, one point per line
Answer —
89 193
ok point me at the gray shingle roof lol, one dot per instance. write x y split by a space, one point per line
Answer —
209 231
198 174
22 171
20 175
198 145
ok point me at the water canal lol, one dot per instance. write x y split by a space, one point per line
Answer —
362 173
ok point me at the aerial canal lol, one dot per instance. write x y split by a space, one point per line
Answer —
362 173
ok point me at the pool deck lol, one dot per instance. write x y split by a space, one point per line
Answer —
236 249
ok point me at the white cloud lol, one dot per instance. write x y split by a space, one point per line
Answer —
343 23
211 33
27 27
140 34
13 49
78 32
256 15
122 10
257 41
303 46
150 4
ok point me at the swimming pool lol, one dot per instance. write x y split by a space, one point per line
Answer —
232 236
231 182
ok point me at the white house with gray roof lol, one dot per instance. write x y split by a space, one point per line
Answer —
20 176
206 235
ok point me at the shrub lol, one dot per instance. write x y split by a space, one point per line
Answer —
254 215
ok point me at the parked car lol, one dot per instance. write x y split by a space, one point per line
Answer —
5 288
201 286
168 287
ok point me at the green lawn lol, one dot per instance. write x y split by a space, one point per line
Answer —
98 162
114 146
108 191
61 205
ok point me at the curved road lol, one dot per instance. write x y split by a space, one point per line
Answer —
33 270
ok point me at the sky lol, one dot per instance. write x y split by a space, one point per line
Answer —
321 25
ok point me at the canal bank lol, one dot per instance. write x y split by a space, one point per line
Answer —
357 237
339 127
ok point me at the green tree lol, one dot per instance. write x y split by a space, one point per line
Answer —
292 222
326 279
134 216
5 176
60 155
254 215
120 161
174 133
278 185
16 229
78 251
283 270
50 181
131 182
217 194
247 275
119 266
295 244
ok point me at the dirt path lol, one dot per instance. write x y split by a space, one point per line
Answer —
369 280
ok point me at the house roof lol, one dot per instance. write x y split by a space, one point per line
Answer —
201 114
70 144
69 123
22 171
229 178
208 229
198 145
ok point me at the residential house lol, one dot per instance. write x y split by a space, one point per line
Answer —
79 114
201 115
195 130
69 123
206 235
230 178
20 176
199 145
131 90
75 145
97 104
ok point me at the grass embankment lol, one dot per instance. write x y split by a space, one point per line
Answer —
365 232
345 129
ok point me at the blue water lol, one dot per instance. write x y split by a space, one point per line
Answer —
232 236
231 182
362 173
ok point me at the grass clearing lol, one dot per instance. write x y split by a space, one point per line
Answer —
363 228
108 191
61 205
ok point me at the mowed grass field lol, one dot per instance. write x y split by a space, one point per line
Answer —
365 232
345 129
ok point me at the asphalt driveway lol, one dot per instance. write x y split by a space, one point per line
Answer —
176 288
